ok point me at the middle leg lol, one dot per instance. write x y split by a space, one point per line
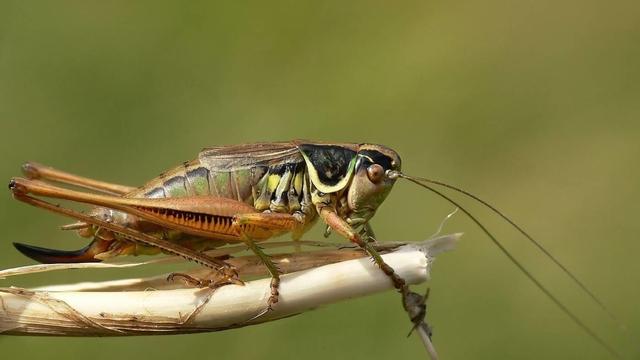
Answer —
272 221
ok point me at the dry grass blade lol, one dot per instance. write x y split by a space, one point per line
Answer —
133 307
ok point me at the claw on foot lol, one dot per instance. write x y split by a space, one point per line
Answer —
273 299
416 306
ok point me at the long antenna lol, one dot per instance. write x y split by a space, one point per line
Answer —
526 272
533 241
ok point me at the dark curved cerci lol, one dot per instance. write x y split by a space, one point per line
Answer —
331 162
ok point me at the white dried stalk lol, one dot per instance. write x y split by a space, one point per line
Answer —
59 311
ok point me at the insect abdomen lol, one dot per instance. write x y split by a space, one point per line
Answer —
195 179
277 187
234 185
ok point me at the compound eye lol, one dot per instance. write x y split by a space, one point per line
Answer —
375 173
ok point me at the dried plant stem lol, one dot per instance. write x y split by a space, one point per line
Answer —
59 311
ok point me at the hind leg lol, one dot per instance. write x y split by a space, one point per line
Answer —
37 171
222 267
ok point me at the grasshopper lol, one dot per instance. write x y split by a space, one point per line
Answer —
244 193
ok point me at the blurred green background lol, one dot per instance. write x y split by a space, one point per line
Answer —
534 105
